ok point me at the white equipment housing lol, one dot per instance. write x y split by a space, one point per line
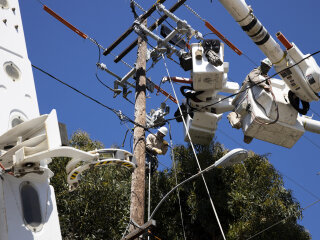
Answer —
204 75
211 80
202 127
256 107
212 102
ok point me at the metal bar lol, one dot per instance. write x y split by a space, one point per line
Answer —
126 33
151 28
168 13
177 79
151 34
165 93
127 76
67 24
159 39
118 41
170 36
223 38
104 68
140 230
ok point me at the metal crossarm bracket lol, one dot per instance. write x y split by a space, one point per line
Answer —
151 28
126 33
142 229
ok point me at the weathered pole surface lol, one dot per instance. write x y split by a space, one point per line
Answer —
137 207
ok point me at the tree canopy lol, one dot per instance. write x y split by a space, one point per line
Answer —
249 198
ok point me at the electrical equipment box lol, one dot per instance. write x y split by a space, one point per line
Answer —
257 108
202 127
278 133
204 75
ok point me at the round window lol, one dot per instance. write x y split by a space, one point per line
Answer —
16 121
4 4
12 70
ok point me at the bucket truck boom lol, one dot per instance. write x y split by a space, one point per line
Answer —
301 75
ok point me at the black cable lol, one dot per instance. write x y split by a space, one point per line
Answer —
99 62
166 20
253 84
120 115
99 58
255 64
133 10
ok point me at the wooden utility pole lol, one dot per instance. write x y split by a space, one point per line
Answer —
137 207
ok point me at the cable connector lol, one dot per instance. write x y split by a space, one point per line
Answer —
102 66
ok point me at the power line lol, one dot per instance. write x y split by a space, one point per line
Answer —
121 116
302 187
303 209
99 58
232 139
316 145
289 178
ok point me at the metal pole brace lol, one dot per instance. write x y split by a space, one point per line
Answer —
141 230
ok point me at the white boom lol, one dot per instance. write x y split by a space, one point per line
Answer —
303 79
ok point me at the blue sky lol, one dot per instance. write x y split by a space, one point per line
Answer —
64 54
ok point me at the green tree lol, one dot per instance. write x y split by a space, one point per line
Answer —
249 197
99 207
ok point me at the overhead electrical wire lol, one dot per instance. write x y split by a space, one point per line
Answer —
289 178
315 144
235 141
121 116
73 28
302 187
96 74
275 224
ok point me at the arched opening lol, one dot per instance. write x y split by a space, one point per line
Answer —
31 208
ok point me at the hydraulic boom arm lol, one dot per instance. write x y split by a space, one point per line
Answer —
303 75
